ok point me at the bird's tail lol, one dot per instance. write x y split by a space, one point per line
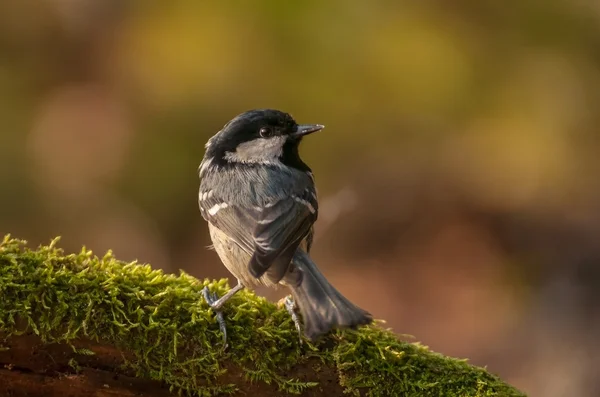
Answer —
321 305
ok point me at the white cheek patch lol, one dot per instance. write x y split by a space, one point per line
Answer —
216 208
258 151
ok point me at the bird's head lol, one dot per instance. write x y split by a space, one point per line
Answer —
262 136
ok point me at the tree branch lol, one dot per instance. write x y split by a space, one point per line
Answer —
80 325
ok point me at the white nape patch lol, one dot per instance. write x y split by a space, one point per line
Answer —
216 208
205 164
209 143
306 203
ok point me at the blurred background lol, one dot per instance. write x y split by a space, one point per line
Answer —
458 173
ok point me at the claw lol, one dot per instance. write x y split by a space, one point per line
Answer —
215 304
290 306
211 298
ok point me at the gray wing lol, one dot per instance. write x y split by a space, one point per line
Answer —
270 234
278 233
234 221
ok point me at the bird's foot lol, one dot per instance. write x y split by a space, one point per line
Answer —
217 303
213 301
290 306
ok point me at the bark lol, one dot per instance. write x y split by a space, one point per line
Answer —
29 367
135 331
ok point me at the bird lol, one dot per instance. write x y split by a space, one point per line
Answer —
260 201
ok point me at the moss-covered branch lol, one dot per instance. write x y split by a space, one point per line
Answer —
78 320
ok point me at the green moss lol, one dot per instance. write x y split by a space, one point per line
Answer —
173 335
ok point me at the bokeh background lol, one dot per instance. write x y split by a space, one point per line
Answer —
458 173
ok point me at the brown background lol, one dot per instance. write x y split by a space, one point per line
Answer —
458 172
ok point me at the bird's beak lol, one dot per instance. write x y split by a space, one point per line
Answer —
305 129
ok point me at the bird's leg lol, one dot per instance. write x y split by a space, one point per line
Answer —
290 306
216 304
211 298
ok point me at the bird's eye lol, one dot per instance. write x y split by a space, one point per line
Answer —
265 132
